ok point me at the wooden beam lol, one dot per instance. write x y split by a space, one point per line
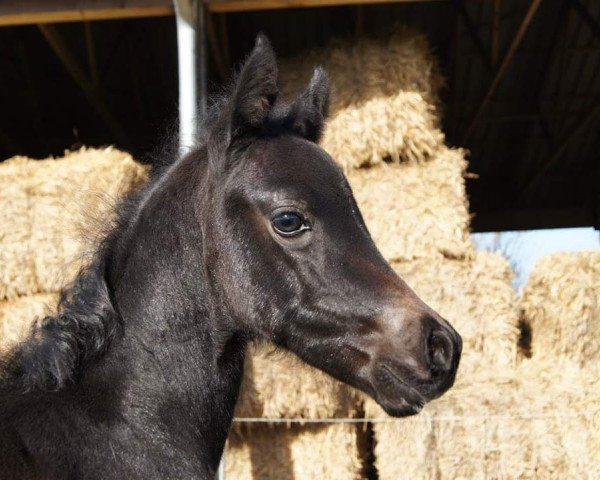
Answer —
533 7
91 53
33 12
496 33
248 5
474 36
591 22
19 12
97 101
560 150
533 219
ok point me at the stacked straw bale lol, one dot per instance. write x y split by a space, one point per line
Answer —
45 204
307 452
384 99
279 385
416 210
561 305
538 420
476 297
384 119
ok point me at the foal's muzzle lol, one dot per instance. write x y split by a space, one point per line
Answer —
414 367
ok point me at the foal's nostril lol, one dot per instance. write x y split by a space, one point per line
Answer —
439 351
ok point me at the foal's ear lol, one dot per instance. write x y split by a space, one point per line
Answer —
255 89
309 111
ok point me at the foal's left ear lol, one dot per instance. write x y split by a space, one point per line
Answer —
309 111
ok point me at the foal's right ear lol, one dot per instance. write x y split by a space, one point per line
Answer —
255 90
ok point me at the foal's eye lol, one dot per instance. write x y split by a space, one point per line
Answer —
289 223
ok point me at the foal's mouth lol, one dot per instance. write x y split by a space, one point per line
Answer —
396 396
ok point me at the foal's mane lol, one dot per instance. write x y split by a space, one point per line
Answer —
84 325
87 320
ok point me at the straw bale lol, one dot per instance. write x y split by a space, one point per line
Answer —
477 298
303 452
561 305
416 211
538 420
277 384
18 315
45 205
384 98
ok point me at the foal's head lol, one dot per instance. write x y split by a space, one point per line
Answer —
290 258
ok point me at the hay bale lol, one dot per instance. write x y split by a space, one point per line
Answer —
384 98
536 421
477 298
277 384
416 211
561 305
296 453
18 315
45 204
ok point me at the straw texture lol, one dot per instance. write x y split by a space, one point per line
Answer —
537 421
279 452
416 210
279 385
561 304
18 315
477 299
384 98
45 205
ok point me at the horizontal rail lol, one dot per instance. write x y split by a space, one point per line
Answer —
423 417
17 12
36 13
223 6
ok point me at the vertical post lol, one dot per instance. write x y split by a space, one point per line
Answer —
191 56
221 470
192 71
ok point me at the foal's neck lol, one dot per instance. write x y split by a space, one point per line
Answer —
184 363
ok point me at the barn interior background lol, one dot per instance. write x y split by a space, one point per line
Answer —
421 88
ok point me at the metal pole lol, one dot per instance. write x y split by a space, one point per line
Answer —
186 58
191 54
192 71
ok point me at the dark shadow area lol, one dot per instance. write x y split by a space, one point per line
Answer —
525 337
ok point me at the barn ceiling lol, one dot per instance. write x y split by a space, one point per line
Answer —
523 90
